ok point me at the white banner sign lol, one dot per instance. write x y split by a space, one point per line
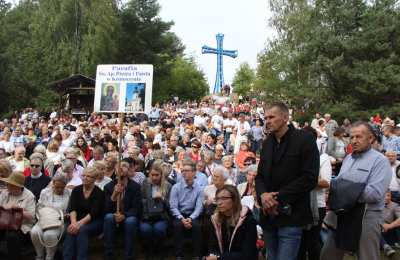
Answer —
123 88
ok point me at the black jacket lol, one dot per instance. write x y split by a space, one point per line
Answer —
132 200
243 241
291 168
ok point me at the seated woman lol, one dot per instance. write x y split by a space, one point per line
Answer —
16 196
56 196
86 216
247 191
234 232
155 196
219 178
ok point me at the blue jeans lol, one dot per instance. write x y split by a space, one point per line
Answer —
130 226
282 243
77 245
153 232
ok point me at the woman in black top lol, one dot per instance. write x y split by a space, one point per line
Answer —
234 233
86 216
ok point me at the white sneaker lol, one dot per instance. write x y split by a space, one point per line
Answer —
388 251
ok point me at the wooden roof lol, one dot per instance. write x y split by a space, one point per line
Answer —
77 81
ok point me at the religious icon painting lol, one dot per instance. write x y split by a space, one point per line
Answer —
123 88
110 96
135 97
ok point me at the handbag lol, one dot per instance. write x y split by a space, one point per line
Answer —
50 218
155 208
344 194
11 219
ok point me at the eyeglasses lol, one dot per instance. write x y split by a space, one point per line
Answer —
223 198
35 165
88 176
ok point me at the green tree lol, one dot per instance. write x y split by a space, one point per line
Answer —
243 80
185 81
336 56
146 39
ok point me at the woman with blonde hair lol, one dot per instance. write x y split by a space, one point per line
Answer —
155 199
234 231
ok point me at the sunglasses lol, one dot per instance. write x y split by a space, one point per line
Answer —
35 165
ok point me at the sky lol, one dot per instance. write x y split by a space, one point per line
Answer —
244 24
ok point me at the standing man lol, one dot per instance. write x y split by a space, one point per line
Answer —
287 172
330 125
365 165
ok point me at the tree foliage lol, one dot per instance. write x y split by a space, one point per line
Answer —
338 56
45 40
243 80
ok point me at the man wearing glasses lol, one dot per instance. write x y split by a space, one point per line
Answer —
186 204
37 181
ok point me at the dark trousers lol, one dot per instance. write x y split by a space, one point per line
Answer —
179 237
395 196
389 238
15 240
311 243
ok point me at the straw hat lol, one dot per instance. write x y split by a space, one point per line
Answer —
16 179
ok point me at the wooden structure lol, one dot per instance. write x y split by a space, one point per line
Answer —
76 93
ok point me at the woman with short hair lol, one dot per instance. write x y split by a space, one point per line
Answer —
234 232
86 216
57 197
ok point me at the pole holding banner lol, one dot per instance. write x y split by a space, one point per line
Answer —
123 88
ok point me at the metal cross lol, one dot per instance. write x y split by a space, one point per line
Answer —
219 81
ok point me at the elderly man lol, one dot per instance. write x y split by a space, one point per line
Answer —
330 125
98 155
186 203
18 161
287 172
394 186
72 154
368 166
37 181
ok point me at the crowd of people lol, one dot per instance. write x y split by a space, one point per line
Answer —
237 181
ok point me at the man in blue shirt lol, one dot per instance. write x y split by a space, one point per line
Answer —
364 165
186 203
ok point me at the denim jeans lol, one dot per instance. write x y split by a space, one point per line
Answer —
153 233
77 245
129 225
282 243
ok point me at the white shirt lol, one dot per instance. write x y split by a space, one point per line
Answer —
230 124
325 173
217 122
394 185
103 182
199 121
7 146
